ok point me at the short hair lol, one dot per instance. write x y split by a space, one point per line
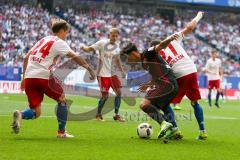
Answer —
214 51
130 47
59 24
114 30
154 43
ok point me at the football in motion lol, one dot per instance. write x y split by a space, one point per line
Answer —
144 130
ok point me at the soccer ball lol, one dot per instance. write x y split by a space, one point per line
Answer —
144 130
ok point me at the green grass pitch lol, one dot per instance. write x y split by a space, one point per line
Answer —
112 140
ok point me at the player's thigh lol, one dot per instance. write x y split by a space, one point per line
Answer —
104 84
210 84
116 85
34 92
193 92
53 89
181 92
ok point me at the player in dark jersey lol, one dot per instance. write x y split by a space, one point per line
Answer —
160 90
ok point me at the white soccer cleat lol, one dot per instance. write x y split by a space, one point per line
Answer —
17 117
64 135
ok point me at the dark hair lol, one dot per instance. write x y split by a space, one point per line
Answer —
60 24
130 47
154 43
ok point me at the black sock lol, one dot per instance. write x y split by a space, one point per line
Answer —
62 113
117 104
101 103
222 95
209 99
154 113
217 97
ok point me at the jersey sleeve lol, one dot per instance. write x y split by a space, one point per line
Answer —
97 46
61 48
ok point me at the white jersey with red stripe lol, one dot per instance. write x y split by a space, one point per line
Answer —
45 54
213 69
106 52
178 59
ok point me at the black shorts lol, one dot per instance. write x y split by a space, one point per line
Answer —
162 94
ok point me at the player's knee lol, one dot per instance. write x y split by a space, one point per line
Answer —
62 99
193 103
144 104
104 96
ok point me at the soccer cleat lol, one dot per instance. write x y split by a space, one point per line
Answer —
165 127
61 134
174 134
177 107
118 118
99 117
217 105
202 135
17 116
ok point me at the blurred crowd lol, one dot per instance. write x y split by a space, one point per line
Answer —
21 26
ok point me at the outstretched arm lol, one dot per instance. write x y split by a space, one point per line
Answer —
87 48
163 44
192 25
80 61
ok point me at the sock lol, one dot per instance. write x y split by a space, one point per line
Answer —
217 97
117 103
28 114
222 95
198 111
154 113
62 112
209 99
101 103
169 115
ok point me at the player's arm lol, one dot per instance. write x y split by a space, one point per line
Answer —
94 47
87 48
80 61
25 63
163 44
192 25
120 66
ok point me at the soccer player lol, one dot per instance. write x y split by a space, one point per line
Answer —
161 89
109 54
213 73
186 73
37 67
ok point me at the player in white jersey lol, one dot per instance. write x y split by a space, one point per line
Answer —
38 80
186 73
213 73
109 54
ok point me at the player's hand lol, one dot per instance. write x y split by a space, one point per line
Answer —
200 14
22 87
143 87
82 46
92 75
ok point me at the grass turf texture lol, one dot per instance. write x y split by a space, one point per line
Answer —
112 140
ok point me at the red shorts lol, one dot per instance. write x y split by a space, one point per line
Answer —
214 84
35 89
106 82
188 85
